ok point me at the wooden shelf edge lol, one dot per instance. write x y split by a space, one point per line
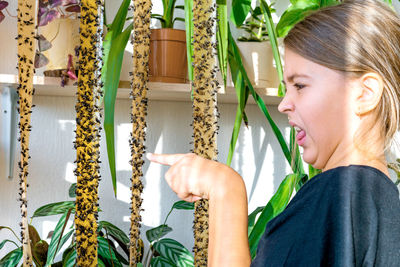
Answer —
50 86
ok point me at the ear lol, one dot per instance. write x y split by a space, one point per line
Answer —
369 93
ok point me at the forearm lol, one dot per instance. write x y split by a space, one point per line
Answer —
228 241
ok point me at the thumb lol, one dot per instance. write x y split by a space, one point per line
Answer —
165 159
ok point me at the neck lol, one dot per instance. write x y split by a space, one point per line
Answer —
354 156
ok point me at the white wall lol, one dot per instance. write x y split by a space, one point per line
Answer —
258 156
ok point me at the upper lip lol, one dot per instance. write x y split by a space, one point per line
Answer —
294 125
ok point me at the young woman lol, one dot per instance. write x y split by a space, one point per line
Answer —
342 73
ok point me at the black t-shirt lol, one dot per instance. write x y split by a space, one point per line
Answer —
347 216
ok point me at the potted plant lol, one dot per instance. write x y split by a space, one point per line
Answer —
167 62
58 38
3 5
256 51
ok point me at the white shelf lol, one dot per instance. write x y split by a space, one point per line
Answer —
50 86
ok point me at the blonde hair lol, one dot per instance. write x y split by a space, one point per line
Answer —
357 37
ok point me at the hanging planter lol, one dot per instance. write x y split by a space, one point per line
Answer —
167 62
63 34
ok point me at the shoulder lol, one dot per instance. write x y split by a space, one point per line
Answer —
353 179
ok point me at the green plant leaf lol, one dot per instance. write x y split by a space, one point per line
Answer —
5 241
183 205
39 252
174 251
106 251
252 218
242 93
109 254
168 14
161 262
222 38
57 240
54 209
70 258
324 3
312 171
114 30
8 228
293 15
189 36
33 235
111 82
297 163
119 21
157 232
178 19
239 12
260 102
139 264
72 190
300 182
275 206
113 231
273 39
12 258
101 263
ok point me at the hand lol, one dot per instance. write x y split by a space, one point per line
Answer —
192 177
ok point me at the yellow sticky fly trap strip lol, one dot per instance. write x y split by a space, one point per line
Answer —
88 128
205 111
26 54
141 50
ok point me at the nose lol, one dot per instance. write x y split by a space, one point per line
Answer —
286 105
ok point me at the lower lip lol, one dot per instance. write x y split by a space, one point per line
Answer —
301 138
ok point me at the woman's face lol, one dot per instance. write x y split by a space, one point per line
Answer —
318 104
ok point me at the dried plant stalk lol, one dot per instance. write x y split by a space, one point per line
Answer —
87 132
141 50
205 111
26 54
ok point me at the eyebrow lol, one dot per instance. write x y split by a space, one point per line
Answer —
296 75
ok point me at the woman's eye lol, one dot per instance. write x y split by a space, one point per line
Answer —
299 86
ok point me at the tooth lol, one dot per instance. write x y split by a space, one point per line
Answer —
297 129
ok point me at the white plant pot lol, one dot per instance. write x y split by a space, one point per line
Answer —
259 64
63 34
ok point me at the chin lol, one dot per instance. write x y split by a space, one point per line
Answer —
312 160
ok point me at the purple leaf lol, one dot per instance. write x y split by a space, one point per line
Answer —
40 60
74 8
69 2
2 16
3 5
48 17
71 75
43 43
55 3
43 3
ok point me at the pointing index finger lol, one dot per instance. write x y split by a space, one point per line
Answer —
165 159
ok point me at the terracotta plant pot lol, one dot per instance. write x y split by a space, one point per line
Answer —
167 62
64 36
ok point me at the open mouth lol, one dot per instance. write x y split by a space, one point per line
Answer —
300 136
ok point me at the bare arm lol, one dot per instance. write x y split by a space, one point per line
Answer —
193 178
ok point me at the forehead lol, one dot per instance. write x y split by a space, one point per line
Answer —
297 66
